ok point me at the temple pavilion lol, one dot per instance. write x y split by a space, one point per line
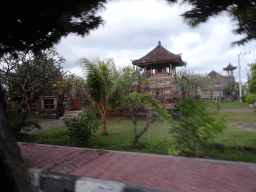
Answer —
160 66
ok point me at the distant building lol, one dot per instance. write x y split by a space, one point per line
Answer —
220 83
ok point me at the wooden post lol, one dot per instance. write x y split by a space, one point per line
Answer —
170 69
175 74
151 71
149 129
145 71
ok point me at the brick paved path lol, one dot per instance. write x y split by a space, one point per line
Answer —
156 171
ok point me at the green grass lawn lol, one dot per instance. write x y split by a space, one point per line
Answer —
238 116
228 105
121 134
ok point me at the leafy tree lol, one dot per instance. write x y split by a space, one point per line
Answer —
104 85
33 75
196 126
251 97
252 84
72 85
192 82
51 21
134 78
16 121
220 84
136 102
230 87
242 12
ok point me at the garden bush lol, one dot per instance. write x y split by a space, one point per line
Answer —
250 98
14 113
196 127
82 128
158 146
243 98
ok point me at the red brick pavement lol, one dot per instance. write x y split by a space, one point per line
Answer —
161 172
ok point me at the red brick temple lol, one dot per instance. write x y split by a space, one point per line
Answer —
160 66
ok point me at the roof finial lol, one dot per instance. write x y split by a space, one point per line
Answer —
159 43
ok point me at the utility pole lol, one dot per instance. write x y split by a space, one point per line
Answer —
240 90
239 68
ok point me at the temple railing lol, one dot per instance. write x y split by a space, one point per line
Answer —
160 74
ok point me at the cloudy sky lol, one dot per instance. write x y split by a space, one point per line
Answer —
133 28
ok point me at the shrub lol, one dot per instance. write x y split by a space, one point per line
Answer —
196 126
158 147
243 98
81 128
14 113
250 98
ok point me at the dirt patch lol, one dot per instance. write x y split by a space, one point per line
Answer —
250 126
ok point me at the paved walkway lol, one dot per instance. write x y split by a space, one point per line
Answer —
236 110
46 125
155 171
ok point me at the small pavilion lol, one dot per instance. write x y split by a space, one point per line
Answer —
229 70
159 62
160 66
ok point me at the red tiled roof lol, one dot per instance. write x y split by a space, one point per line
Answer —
159 54
229 67
218 77
213 74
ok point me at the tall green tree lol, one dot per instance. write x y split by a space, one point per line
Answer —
51 21
193 82
134 78
251 97
32 74
252 84
104 85
72 85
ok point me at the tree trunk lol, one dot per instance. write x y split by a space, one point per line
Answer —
144 130
149 119
104 117
134 120
25 104
218 104
12 163
136 139
104 126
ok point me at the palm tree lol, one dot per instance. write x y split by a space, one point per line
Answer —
104 85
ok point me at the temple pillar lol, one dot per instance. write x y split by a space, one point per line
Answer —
151 71
145 71
175 74
170 67
42 103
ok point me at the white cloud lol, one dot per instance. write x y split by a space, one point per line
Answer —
133 29
77 71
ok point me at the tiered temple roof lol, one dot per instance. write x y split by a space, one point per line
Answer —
214 75
159 55
229 68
